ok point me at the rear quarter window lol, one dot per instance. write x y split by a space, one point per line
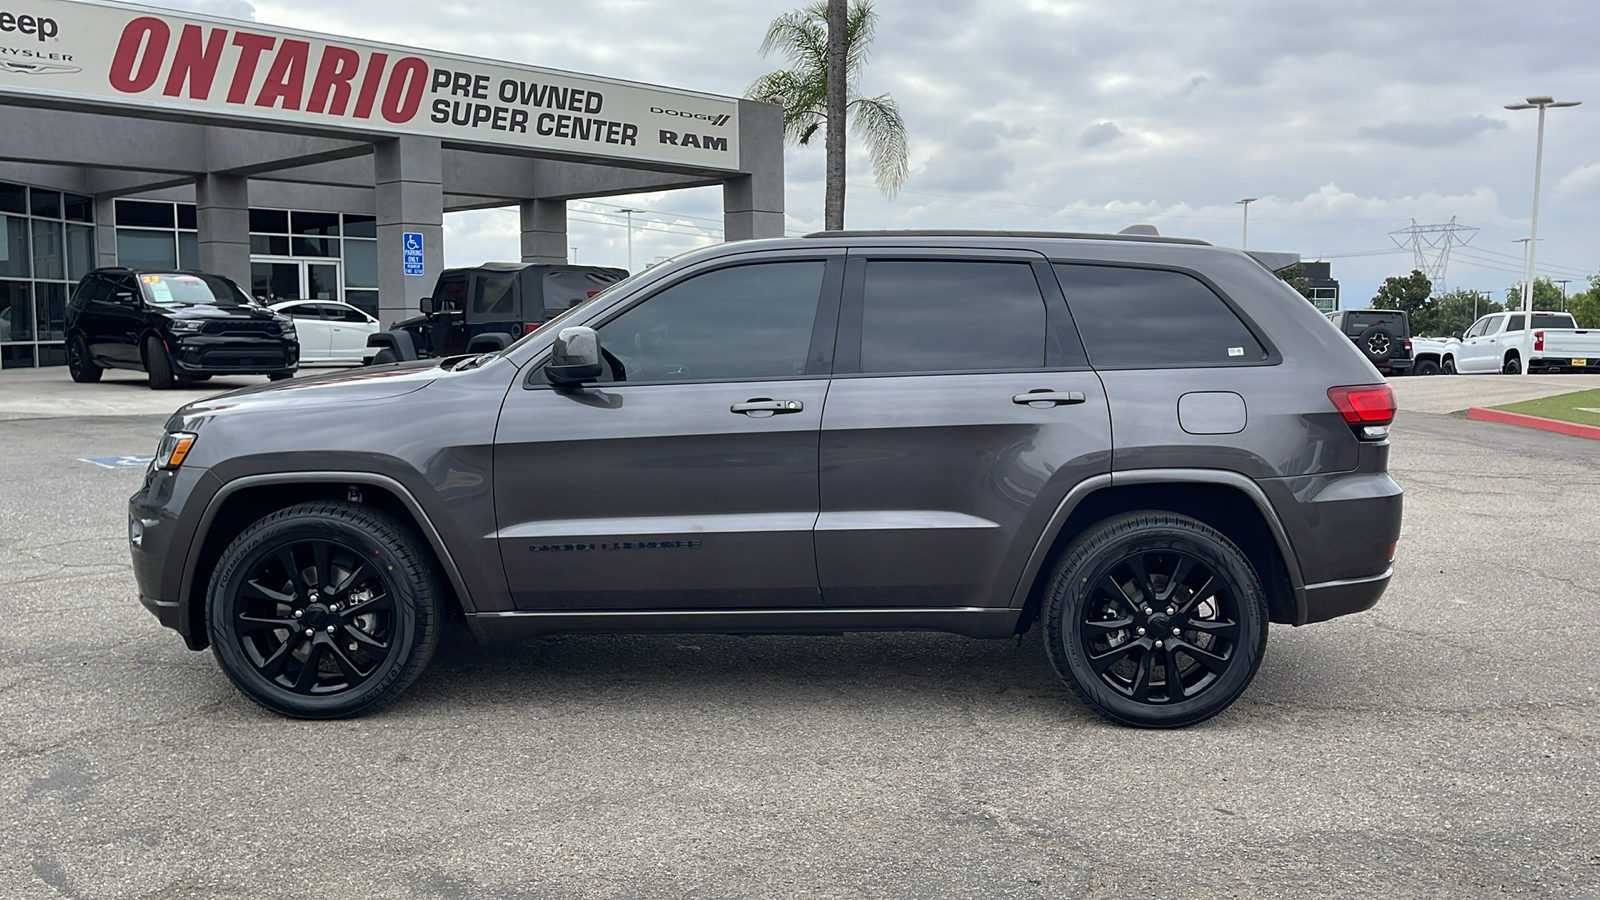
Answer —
1153 318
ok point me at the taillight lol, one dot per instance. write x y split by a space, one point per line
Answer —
1538 340
1369 408
528 327
592 293
1408 346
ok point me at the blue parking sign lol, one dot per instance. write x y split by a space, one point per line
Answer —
411 243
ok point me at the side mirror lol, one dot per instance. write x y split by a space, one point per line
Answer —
1456 335
123 297
425 305
575 356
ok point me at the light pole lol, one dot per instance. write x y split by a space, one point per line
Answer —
1563 283
1245 242
1540 103
630 213
574 255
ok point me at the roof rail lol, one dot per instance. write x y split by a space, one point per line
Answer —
979 233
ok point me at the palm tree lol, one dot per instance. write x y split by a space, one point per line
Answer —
802 91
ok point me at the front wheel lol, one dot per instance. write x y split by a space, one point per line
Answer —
324 610
384 357
1155 619
1448 366
158 364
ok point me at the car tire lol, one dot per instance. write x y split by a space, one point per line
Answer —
158 364
1448 367
284 639
1425 367
1513 366
1377 343
1095 608
384 357
80 365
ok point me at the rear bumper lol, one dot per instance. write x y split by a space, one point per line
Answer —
1396 365
1332 599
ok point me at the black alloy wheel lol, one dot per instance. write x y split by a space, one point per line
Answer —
324 610
1426 367
1156 620
1513 366
80 365
1449 365
158 364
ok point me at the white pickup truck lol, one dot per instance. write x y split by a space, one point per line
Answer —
1494 344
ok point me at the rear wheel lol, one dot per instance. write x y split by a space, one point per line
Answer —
158 364
324 610
383 357
80 365
1155 619
1426 367
1513 366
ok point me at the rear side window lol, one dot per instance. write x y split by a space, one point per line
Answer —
1358 322
494 294
1148 318
951 316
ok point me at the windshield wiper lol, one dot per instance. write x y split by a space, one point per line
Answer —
472 362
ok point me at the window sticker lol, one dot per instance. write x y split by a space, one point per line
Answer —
160 291
1235 351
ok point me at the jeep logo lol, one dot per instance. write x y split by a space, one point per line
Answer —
44 28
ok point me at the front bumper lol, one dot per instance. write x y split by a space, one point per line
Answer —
207 354
158 552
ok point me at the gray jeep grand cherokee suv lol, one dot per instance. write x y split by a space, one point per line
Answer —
1152 447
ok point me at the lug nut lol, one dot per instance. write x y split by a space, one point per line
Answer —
315 596
298 613
352 647
1139 630
1158 645
1171 610
330 629
1148 611
333 607
310 632
1176 632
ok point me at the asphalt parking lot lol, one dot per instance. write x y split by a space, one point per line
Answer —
1446 744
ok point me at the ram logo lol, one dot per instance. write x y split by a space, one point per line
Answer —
698 141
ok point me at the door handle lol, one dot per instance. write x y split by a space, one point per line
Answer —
762 407
1044 398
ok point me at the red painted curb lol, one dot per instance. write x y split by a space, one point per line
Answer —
1540 422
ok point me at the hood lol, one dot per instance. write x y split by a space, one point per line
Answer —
213 311
350 386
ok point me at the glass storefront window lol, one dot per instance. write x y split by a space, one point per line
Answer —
140 249
188 250
361 263
316 224
269 245
366 301
15 260
13 198
16 311
269 221
144 214
52 311
360 226
302 246
45 203
80 251
17 356
186 216
78 208
49 252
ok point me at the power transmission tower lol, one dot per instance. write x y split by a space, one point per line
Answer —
1431 244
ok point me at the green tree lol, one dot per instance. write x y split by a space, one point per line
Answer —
1546 295
802 91
1585 305
1407 292
1451 312
1295 277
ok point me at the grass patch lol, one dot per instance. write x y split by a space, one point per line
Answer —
1574 407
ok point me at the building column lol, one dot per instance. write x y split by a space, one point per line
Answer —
222 214
752 203
409 192
544 231
105 231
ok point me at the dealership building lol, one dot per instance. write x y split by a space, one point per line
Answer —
315 166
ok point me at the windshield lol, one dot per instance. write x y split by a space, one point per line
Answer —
183 288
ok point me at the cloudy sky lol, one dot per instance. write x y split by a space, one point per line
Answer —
1347 119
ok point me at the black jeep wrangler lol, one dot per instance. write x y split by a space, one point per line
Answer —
1382 335
485 308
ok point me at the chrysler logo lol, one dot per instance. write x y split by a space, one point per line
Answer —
33 68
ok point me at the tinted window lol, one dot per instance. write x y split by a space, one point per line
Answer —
302 311
144 214
1361 321
750 321
1553 320
942 316
1515 324
450 293
494 294
1151 318
345 314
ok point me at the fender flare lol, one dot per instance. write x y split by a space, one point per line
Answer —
1040 555
399 341
203 529
488 341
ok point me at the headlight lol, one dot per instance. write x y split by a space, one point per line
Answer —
285 325
174 447
185 326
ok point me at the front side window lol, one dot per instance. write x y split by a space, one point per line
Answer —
301 311
1153 318
951 316
751 321
1491 325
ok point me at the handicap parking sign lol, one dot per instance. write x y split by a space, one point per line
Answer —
411 242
